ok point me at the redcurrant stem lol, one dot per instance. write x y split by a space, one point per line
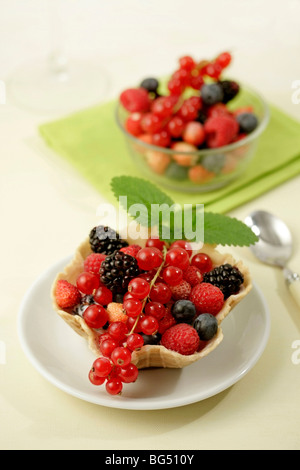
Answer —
153 281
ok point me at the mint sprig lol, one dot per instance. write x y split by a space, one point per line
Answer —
142 197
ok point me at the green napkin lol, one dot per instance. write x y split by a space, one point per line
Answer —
92 143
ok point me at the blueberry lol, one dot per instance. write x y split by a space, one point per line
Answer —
151 339
214 162
206 326
247 122
150 84
183 311
86 301
212 93
176 172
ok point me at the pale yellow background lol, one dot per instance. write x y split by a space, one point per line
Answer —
46 211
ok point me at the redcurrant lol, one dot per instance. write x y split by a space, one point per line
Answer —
156 243
224 59
103 296
107 347
187 63
139 288
149 325
172 275
161 138
134 341
183 244
102 367
202 261
133 307
94 379
175 126
118 330
114 386
178 257
88 282
133 124
155 309
121 356
95 316
149 258
129 373
161 293
151 123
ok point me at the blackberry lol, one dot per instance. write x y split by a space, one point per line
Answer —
105 240
117 270
228 278
86 301
230 90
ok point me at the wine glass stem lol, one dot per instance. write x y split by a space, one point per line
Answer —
58 62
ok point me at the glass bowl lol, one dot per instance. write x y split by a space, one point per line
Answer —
225 164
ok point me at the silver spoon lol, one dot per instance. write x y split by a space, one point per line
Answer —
274 246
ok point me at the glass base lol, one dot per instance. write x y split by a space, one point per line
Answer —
60 86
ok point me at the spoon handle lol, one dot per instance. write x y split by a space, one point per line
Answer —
293 282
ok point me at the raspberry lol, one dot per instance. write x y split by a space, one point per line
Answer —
166 322
181 291
192 275
116 313
67 295
135 100
220 130
92 263
182 338
207 298
131 250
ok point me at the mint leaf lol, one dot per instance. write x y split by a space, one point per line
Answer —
150 206
224 230
142 196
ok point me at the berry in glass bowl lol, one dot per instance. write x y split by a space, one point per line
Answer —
196 132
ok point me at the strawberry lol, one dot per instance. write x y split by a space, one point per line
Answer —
116 313
67 295
181 291
192 275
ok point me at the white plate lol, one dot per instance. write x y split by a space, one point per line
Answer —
63 357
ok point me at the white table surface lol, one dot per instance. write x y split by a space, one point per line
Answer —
39 203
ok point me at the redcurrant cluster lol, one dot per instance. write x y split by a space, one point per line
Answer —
162 119
146 304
